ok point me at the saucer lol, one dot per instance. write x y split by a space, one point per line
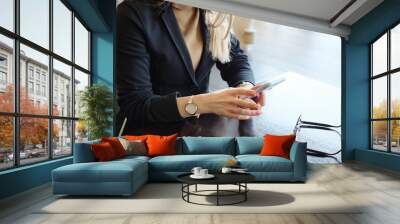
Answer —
208 176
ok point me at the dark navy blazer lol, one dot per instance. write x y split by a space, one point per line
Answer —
154 67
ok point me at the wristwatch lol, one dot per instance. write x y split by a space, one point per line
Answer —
192 108
245 83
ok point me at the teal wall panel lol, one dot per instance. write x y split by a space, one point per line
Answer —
90 13
24 178
356 122
356 84
379 159
103 57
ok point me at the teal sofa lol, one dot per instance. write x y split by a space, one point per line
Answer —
125 176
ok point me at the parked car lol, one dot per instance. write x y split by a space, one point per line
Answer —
10 157
25 154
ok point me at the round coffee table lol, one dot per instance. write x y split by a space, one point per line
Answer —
238 179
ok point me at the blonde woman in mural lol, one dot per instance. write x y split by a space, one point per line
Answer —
165 53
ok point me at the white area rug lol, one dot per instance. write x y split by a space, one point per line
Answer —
166 198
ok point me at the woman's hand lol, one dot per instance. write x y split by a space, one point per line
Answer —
260 99
231 102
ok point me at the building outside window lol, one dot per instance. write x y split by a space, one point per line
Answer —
44 77
3 72
55 97
38 89
30 87
30 72
385 91
58 128
37 75
3 77
3 61
43 90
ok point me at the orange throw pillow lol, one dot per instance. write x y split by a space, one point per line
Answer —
161 145
135 137
277 145
103 152
116 145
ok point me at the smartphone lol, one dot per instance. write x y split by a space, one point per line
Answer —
266 85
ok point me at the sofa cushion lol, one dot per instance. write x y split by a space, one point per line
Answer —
277 145
104 152
206 145
161 145
132 159
135 137
134 147
249 145
112 171
185 163
257 163
83 152
116 145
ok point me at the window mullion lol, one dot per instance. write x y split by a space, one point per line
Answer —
371 140
16 69
50 81
389 107
73 83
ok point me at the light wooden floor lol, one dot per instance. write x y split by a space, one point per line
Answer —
378 188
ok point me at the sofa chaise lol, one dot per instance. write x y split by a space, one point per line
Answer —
125 176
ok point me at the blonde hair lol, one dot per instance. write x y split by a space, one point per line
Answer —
219 28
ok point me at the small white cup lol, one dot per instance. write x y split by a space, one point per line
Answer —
196 171
203 172
226 170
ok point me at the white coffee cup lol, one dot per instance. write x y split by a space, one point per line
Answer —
196 171
226 170
203 172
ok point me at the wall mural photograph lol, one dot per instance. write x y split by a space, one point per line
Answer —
309 62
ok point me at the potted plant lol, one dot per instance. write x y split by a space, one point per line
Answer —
96 102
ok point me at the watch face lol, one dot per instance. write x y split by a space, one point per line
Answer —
191 108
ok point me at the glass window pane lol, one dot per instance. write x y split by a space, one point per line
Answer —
395 95
395 47
62 89
81 131
7 14
33 140
379 97
395 136
6 74
34 97
6 142
35 21
62 138
62 29
81 45
379 56
379 135
81 81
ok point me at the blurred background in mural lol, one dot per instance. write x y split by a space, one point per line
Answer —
311 63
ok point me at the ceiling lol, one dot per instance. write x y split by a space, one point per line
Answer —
321 9
327 16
